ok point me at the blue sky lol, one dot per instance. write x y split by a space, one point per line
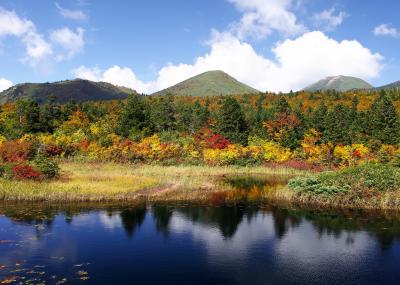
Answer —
274 45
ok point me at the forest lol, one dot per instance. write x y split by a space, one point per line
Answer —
320 130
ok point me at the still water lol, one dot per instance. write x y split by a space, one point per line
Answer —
195 245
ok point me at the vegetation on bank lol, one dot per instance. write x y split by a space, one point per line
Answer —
373 186
81 181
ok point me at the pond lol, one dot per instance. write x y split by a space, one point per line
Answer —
153 244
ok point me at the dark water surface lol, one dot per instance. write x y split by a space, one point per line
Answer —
195 245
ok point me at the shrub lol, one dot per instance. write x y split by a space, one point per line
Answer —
16 151
46 166
52 150
25 172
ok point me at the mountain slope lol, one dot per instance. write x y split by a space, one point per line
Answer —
339 83
394 85
210 83
78 89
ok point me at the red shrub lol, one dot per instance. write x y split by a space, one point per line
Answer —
84 145
15 151
24 172
52 150
212 140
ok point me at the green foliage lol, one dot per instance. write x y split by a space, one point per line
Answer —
163 113
46 166
365 178
134 118
384 122
231 122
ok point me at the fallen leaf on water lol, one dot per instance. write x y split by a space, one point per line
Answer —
84 278
2 266
82 273
5 241
62 281
9 280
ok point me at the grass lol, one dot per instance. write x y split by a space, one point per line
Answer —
124 182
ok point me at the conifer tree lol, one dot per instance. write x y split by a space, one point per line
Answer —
231 121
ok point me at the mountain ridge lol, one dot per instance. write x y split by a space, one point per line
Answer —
338 83
79 90
210 83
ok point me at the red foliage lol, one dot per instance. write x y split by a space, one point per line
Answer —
284 121
15 151
84 145
356 153
52 150
24 172
212 140
296 164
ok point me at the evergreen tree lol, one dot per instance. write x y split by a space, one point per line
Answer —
384 121
163 114
231 121
28 112
200 116
134 118
51 115
337 124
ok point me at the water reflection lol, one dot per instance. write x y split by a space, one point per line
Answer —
241 242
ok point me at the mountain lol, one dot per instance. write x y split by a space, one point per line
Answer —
78 90
209 84
339 83
394 85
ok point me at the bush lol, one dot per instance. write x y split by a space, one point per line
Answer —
25 172
361 180
16 151
48 167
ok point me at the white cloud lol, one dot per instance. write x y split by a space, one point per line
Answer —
386 30
71 14
328 20
41 52
296 64
5 84
120 76
36 48
261 17
71 42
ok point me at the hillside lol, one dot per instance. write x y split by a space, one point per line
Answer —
210 83
394 85
339 83
78 90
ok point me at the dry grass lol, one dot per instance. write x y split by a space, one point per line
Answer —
123 182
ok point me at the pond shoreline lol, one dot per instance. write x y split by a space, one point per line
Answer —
124 183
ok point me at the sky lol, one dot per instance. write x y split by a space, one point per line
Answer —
271 45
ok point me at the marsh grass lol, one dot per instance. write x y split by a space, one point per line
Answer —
84 181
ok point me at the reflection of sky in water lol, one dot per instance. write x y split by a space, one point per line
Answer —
222 246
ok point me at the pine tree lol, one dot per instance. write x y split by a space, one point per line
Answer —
163 114
134 117
384 121
231 121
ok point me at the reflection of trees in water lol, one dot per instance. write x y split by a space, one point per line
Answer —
162 215
283 220
132 219
384 230
227 219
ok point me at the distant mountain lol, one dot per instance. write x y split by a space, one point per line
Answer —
394 85
210 83
339 83
78 90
